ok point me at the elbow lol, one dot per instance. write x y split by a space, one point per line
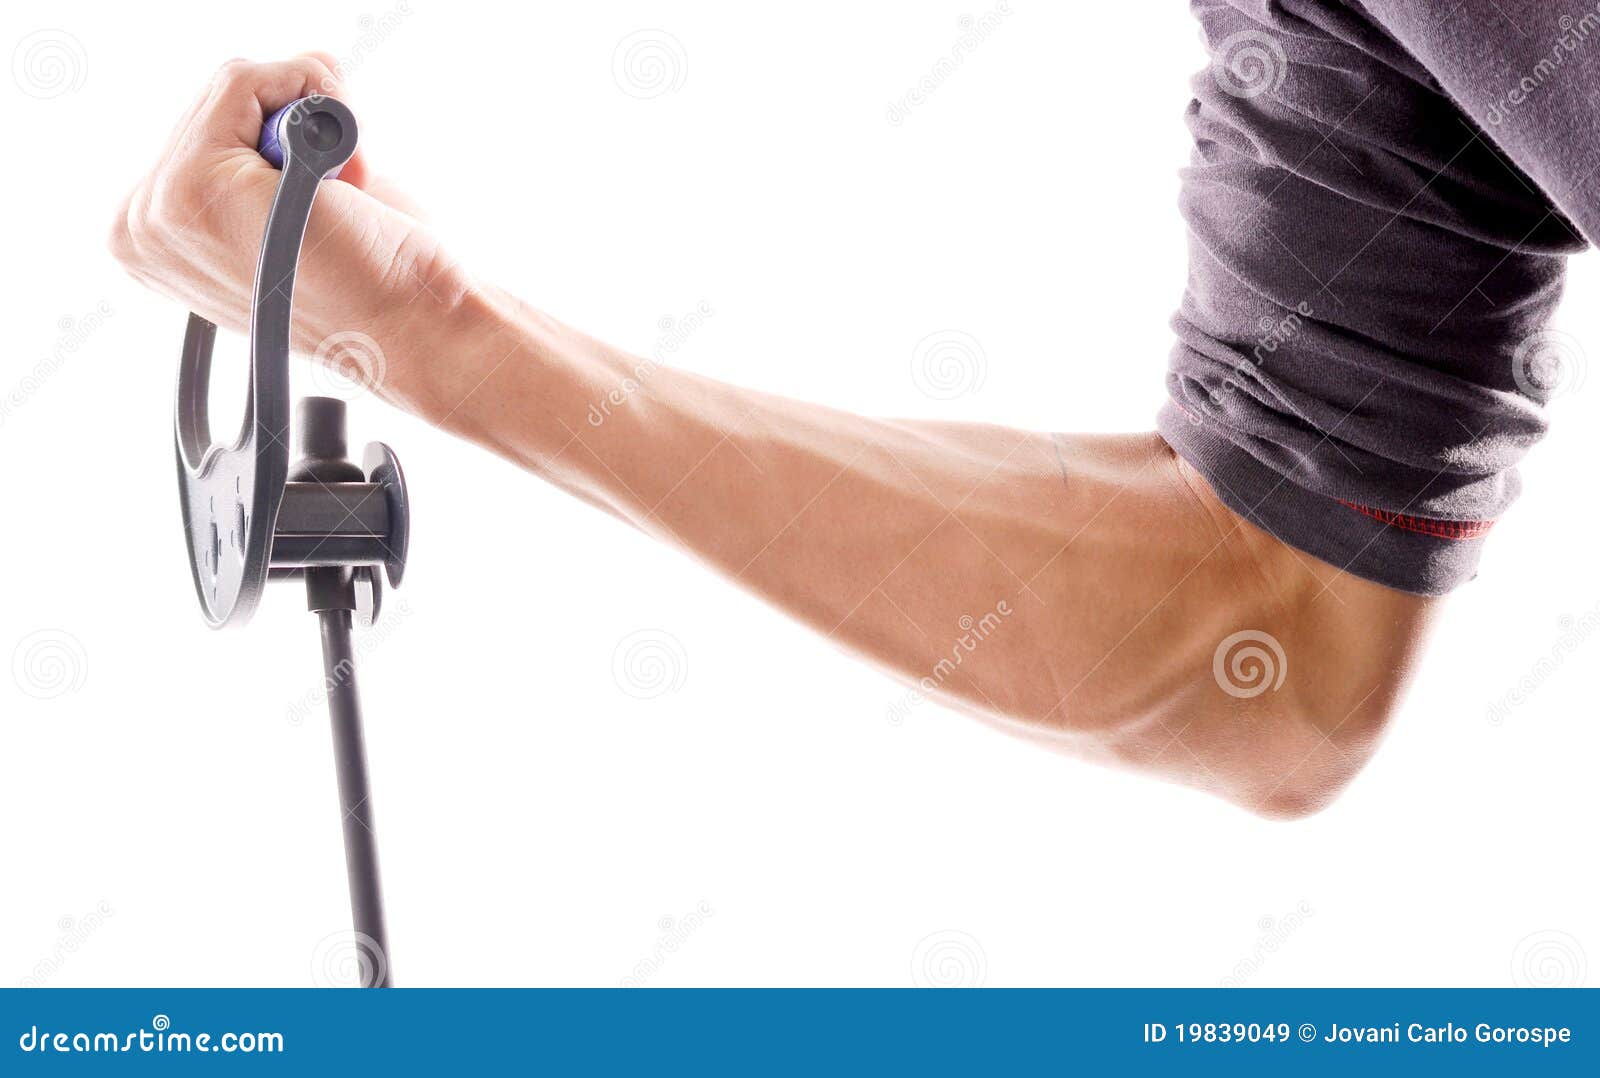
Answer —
1311 759
1278 758
1294 801
1282 755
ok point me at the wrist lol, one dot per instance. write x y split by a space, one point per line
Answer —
447 346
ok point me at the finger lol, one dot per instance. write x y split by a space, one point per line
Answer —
335 68
243 95
181 129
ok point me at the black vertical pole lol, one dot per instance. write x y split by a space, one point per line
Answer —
355 795
331 593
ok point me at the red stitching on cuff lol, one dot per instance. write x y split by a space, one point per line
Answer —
1438 529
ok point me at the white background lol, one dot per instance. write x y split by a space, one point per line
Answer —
168 816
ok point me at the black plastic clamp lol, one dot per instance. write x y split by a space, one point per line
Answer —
246 515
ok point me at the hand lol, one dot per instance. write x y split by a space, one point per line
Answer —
192 227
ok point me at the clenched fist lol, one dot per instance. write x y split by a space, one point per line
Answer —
192 226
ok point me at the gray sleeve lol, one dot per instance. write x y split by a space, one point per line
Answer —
1380 202
1528 73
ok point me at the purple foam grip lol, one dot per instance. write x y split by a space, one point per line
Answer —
270 145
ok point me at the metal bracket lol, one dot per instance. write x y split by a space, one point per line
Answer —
244 519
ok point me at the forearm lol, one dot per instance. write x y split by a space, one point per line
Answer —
936 550
1080 590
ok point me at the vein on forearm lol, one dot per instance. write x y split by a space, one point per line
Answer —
889 536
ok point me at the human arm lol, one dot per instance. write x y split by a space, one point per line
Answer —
1074 590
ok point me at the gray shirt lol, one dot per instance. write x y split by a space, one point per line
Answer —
1380 203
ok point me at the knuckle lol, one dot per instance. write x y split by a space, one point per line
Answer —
233 72
135 238
137 219
321 56
174 200
319 75
162 204
119 238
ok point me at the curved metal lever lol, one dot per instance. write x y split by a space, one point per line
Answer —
231 493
